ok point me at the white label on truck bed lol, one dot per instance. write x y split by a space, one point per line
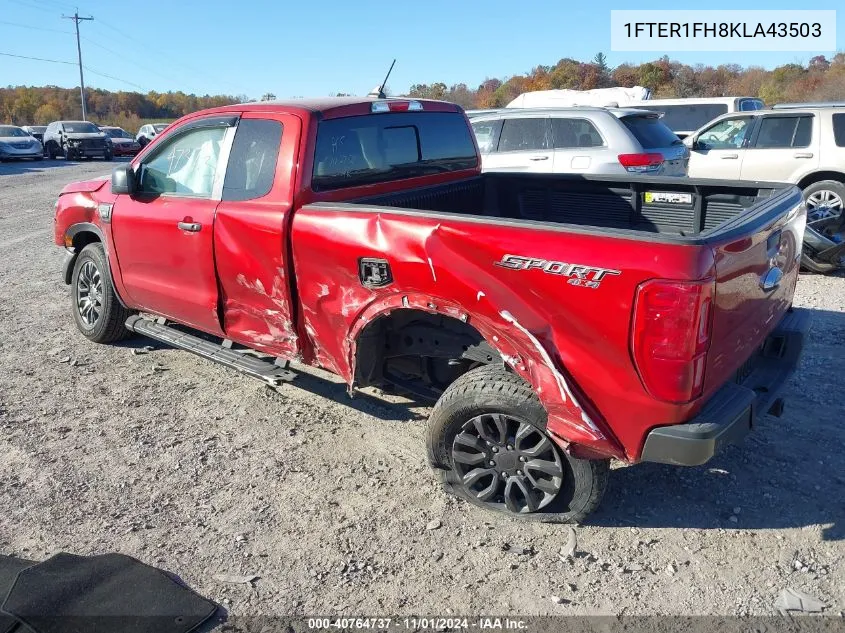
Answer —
666 196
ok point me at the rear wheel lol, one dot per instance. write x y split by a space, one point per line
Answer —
824 199
96 309
487 439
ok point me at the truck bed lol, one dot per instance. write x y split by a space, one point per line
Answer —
700 209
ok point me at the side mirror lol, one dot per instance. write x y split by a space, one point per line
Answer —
123 180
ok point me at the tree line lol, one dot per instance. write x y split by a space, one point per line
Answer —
23 105
819 80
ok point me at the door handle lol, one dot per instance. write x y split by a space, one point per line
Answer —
193 227
730 156
803 154
539 158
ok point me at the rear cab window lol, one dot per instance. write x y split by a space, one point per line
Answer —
373 148
650 132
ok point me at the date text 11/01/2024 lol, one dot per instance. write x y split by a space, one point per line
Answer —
723 29
418 623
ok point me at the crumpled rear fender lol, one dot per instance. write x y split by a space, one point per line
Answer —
570 421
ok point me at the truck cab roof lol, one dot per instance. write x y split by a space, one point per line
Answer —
331 107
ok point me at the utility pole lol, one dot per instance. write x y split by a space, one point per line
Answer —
76 19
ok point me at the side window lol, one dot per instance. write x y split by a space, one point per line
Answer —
185 165
784 131
252 161
487 135
727 134
839 129
570 133
523 134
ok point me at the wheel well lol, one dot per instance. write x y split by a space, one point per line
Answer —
83 239
418 352
818 176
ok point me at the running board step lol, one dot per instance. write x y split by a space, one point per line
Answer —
245 363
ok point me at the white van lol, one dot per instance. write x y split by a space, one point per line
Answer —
685 116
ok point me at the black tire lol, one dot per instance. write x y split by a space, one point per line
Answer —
833 188
108 324
493 390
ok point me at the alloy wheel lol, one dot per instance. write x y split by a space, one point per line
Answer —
507 463
824 204
89 293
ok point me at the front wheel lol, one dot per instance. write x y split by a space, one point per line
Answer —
487 440
96 309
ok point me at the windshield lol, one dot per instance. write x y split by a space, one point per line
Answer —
159 127
81 127
117 133
37 129
688 117
11 130
651 132
380 147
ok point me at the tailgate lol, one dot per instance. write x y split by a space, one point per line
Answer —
757 266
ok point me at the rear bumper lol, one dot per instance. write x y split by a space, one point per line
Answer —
730 414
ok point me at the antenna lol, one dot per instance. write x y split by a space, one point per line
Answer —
378 91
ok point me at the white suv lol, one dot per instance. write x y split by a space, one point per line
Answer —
803 144
579 140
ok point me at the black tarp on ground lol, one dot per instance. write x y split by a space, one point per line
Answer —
111 593
9 569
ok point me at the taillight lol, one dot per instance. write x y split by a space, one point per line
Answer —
641 163
396 106
670 337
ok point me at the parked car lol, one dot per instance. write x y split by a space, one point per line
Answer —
558 320
148 132
800 144
587 140
15 143
35 131
75 140
685 116
122 142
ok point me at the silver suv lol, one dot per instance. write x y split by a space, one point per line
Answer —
799 143
587 140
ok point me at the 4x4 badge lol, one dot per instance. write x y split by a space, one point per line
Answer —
374 272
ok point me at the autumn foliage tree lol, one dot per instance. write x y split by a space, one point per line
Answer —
820 80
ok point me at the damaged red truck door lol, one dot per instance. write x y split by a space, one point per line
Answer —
556 322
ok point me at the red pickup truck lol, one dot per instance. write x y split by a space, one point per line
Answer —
557 321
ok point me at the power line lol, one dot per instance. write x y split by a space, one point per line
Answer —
76 20
39 59
29 6
91 70
35 28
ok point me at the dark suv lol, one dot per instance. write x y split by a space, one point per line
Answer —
75 140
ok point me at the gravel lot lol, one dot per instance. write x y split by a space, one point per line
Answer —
194 468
